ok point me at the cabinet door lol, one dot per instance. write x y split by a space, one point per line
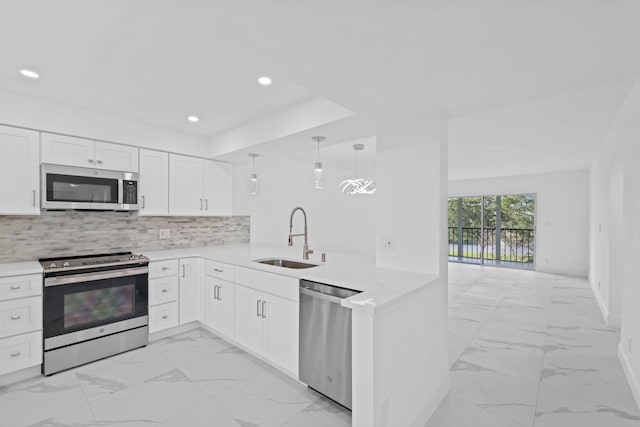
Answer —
19 172
116 157
67 150
226 308
249 325
153 183
189 290
210 315
185 186
281 332
217 188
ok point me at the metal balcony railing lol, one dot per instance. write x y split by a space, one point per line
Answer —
474 243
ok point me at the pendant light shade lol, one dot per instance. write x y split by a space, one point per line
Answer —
253 178
317 170
358 185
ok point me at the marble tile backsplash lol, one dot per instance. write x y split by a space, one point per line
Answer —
53 234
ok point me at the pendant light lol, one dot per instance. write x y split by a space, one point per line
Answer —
358 185
317 170
253 178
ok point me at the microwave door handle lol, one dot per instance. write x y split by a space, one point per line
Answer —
120 191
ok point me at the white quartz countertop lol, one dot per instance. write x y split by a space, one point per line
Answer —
20 268
380 286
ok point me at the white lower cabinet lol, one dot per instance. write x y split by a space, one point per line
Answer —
20 322
268 325
20 351
190 279
219 306
164 291
256 309
281 332
163 316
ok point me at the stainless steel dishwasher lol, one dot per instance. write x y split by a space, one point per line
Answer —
325 340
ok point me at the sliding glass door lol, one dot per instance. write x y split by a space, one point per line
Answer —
493 230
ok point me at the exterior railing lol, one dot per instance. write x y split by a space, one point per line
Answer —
474 243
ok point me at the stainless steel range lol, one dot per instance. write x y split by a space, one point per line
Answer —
94 307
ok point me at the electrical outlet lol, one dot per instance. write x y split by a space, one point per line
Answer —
164 233
387 243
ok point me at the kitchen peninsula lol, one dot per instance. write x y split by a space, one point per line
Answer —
399 377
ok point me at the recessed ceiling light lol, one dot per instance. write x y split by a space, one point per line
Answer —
29 73
193 119
264 81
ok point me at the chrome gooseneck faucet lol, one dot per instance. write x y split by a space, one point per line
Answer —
305 249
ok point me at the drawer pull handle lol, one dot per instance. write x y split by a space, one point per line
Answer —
218 270
15 317
264 309
99 162
165 316
219 295
15 287
15 354
34 197
90 160
258 308
164 291
165 268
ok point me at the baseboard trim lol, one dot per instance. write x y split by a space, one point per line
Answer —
628 372
21 375
433 403
601 305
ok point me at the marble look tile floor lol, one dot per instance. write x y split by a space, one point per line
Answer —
191 379
529 349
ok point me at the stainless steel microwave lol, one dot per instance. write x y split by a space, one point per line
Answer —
69 187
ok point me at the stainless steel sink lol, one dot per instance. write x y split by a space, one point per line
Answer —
286 263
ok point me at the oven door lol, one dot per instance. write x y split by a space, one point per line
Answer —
84 306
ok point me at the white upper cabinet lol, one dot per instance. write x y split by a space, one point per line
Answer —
72 151
217 188
116 157
199 187
153 183
185 185
19 172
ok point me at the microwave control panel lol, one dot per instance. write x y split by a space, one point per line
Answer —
130 190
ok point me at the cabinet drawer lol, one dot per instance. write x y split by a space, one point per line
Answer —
20 316
163 268
163 290
20 286
20 351
284 286
220 270
163 316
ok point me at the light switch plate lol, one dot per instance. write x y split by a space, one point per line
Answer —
164 233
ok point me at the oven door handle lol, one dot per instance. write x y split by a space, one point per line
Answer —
90 277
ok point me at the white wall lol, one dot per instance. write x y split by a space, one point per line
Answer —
411 161
562 215
336 222
615 209
36 113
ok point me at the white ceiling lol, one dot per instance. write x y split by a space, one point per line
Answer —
518 78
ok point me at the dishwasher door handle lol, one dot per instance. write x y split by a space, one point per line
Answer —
321 296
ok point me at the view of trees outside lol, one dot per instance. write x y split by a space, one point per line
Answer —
508 219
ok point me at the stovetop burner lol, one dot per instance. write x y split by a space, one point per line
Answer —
90 261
